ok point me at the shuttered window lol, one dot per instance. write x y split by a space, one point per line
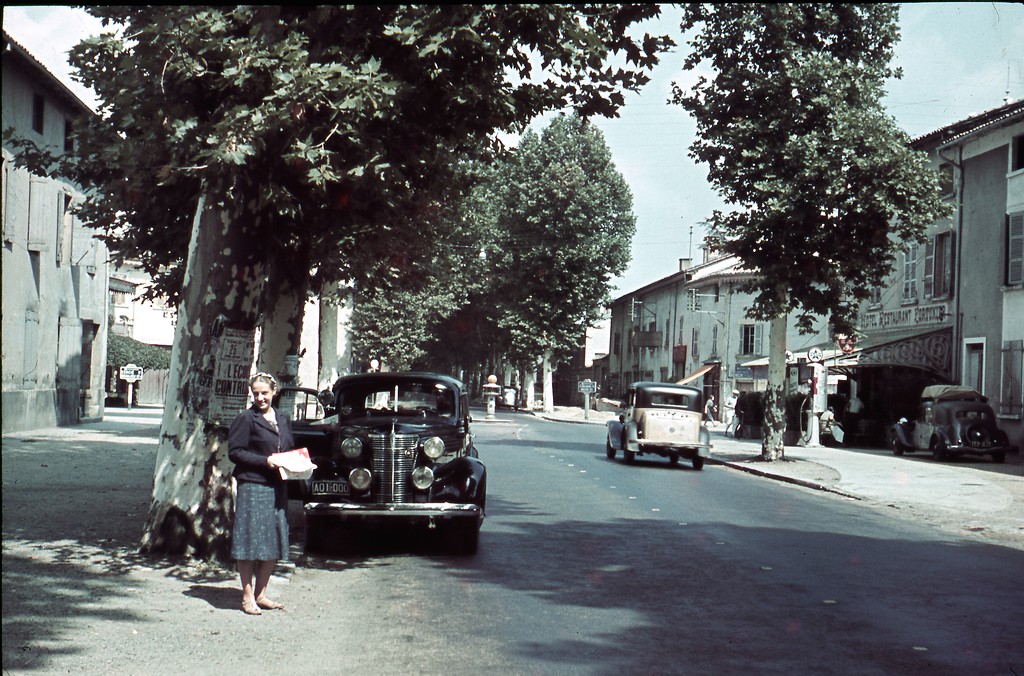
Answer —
1011 393
1015 248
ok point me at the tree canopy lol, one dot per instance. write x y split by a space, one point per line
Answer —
791 125
563 227
335 126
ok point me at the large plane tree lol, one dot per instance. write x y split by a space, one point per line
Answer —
823 184
250 155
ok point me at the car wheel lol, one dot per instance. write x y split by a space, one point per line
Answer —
999 456
673 459
466 536
629 456
314 535
609 449
897 447
939 450
698 462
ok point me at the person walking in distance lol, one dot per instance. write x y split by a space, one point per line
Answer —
260 530
710 410
731 420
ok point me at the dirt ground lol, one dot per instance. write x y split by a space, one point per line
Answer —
77 596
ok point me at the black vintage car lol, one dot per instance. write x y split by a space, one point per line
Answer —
397 448
951 420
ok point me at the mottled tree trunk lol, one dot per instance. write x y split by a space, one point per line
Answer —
549 390
529 384
285 304
193 500
772 446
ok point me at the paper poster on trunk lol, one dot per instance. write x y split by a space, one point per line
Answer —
232 366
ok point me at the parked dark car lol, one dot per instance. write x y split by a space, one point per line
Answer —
664 419
951 420
397 448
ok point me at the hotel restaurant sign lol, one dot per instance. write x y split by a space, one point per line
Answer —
918 315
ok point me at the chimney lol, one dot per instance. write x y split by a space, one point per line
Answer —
684 263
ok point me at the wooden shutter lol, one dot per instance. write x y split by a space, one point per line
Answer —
929 268
1015 249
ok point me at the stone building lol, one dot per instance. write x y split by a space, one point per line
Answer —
953 311
54 271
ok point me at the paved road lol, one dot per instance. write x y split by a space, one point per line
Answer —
586 566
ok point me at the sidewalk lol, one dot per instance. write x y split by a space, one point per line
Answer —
971 496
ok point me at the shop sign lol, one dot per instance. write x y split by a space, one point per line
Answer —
903 317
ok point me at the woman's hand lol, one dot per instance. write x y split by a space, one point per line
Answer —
273 461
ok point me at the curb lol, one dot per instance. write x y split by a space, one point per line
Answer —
787 479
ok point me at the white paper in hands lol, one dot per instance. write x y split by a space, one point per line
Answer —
295 464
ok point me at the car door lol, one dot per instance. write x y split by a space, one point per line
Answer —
923 426
310 425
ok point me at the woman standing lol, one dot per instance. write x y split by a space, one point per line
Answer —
260 534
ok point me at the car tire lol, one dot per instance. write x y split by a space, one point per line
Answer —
999 456
466 538
939 450
673 459
609 449
897 447
315 535
629 457
698 463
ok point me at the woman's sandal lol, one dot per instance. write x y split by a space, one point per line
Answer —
267 604
251 607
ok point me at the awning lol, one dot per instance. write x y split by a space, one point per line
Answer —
696 374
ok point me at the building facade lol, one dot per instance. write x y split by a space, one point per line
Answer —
952 312
54 271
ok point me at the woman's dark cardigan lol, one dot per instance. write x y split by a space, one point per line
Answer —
252 439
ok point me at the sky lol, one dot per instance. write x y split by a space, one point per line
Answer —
958 59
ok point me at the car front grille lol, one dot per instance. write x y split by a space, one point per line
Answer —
394 457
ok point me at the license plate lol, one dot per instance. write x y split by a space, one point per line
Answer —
333 487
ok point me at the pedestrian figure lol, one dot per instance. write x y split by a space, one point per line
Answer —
731 419
260 530
710 410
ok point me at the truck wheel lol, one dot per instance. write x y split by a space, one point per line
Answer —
698 462
629 457
609 449
673 459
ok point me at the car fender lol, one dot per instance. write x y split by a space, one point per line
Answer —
903 435
705 436
631 437
461 480
615 434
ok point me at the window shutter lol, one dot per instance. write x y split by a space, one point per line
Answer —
1015 249
758 334
929 268
951 266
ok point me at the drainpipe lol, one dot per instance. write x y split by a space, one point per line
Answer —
957 319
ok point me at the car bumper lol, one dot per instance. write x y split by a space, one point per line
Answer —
649 446
349 510
961 449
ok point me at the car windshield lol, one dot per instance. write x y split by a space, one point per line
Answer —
407 398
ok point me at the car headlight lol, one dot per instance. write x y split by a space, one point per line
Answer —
351 448
433 447
359 478
422 478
